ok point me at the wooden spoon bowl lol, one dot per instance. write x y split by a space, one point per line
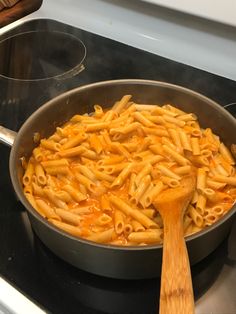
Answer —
176 295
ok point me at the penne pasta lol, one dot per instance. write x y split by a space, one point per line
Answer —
196 217
121 104
74 141
55 163
54 171
182 170
201 179
214 184
103 176
98 111
149 212
172 183
145 171
225 153
120 149
167 172
176 156
185 140
102 237
90 154
173 120
47 210
137 227
28 174
75 231
90 185
63 196
219 197
157 132
142 119
103 220
119 221
175 137
125 130
67 216
105 204
95 143
187 117
201 203
195 146
32 202
142 187
75 194
99 174
150 194
122 176
161 111
48 144
217 210
96 126
112 168
51 196
72 152
86 172
38 154
81 210
145 237
110 160
136 214
224 179
128 228
40 174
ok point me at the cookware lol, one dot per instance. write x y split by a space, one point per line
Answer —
176 284
107 260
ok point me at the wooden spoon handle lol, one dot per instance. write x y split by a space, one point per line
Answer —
176 284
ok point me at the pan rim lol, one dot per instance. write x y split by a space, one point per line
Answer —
32 211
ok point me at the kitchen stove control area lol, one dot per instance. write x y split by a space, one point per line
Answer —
25 262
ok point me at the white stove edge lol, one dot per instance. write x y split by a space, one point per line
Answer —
14 302
224 11
192 40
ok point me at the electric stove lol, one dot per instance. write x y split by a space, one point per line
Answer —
25 262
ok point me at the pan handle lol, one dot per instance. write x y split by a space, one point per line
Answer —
7 136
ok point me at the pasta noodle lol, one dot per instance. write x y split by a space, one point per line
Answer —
98 175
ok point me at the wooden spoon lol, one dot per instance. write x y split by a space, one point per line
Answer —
176 295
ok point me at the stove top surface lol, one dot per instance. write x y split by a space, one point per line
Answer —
26 263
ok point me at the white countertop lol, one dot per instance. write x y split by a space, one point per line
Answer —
181 37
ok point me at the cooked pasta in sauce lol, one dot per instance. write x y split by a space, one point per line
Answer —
98 175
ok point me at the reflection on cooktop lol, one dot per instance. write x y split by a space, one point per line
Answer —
86 293
38 55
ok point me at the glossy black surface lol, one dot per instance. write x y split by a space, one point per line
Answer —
24 261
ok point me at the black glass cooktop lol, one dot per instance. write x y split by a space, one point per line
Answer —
25 262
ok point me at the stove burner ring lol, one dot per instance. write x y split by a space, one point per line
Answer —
41 55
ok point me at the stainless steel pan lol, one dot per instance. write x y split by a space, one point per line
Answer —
107 260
